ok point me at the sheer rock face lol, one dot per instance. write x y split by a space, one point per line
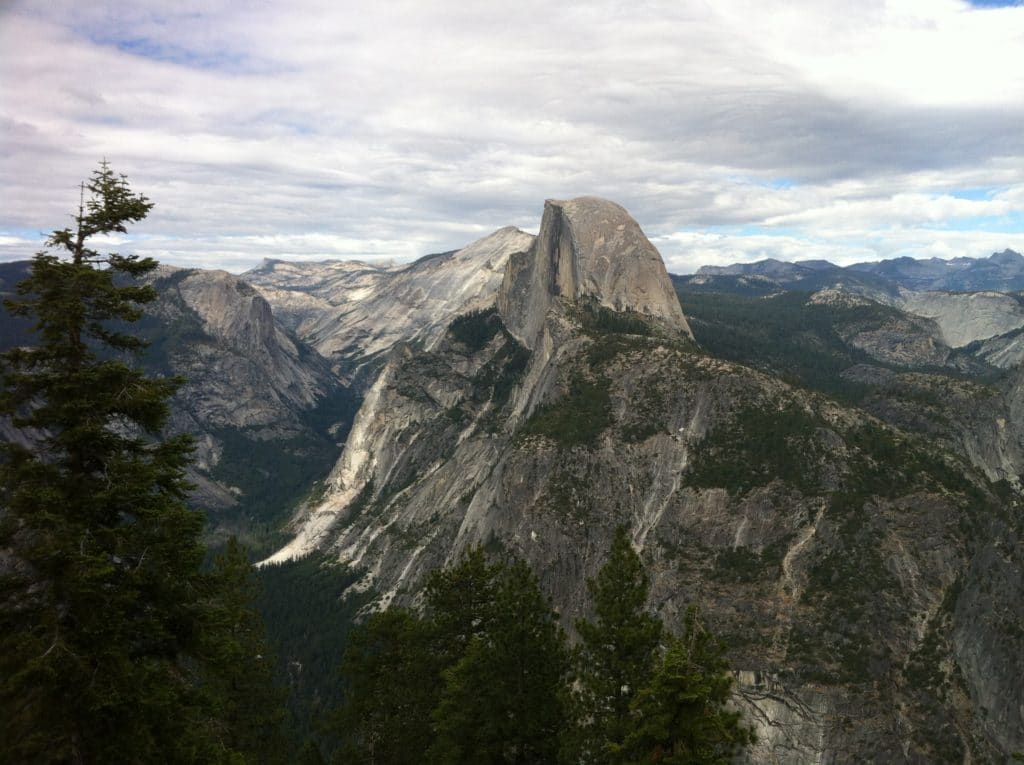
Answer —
965 318
354 313
243 369
245 374
587 247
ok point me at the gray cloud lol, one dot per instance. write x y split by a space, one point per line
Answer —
390 130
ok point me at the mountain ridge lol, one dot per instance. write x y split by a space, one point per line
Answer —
535 311
354 314
1001 271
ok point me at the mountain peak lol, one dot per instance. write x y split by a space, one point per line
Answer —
587 247
1007 257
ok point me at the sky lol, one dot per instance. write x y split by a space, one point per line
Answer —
732 130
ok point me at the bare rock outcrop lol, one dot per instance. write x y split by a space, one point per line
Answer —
964 318
354 313
243 369
587 247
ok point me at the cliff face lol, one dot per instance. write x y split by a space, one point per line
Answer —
848 565
587 247
243 370
965 318
354 313
588 250
255 397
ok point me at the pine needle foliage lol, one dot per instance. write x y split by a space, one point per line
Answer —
503 700
682 716
478 679
105 612
615 657
484 677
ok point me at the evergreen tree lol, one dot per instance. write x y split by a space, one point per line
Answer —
102 601
616 653
309 754
391 678
461 601
681 716
393 664
239 680
503 701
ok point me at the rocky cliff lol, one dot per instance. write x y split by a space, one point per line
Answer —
867 579
354 313
242 368
587 247
589 253
255 397
965 318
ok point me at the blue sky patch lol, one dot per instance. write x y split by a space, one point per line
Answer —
995 3
1000 224
162 51
224 60
977 194
752 230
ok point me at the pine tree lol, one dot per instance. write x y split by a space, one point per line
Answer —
391 678
681 716
503 701
616 654
102 612
461 602
393 664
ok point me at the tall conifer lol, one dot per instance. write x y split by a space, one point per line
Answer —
392 684
616 654
503 701
682 715
103 607
238 680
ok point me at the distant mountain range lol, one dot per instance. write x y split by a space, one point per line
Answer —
1000 272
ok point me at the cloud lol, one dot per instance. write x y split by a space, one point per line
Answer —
314 129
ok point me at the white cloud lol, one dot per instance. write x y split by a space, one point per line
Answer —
900 209
925 52
315 129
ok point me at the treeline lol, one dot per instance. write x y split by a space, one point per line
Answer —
783 334
486 675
